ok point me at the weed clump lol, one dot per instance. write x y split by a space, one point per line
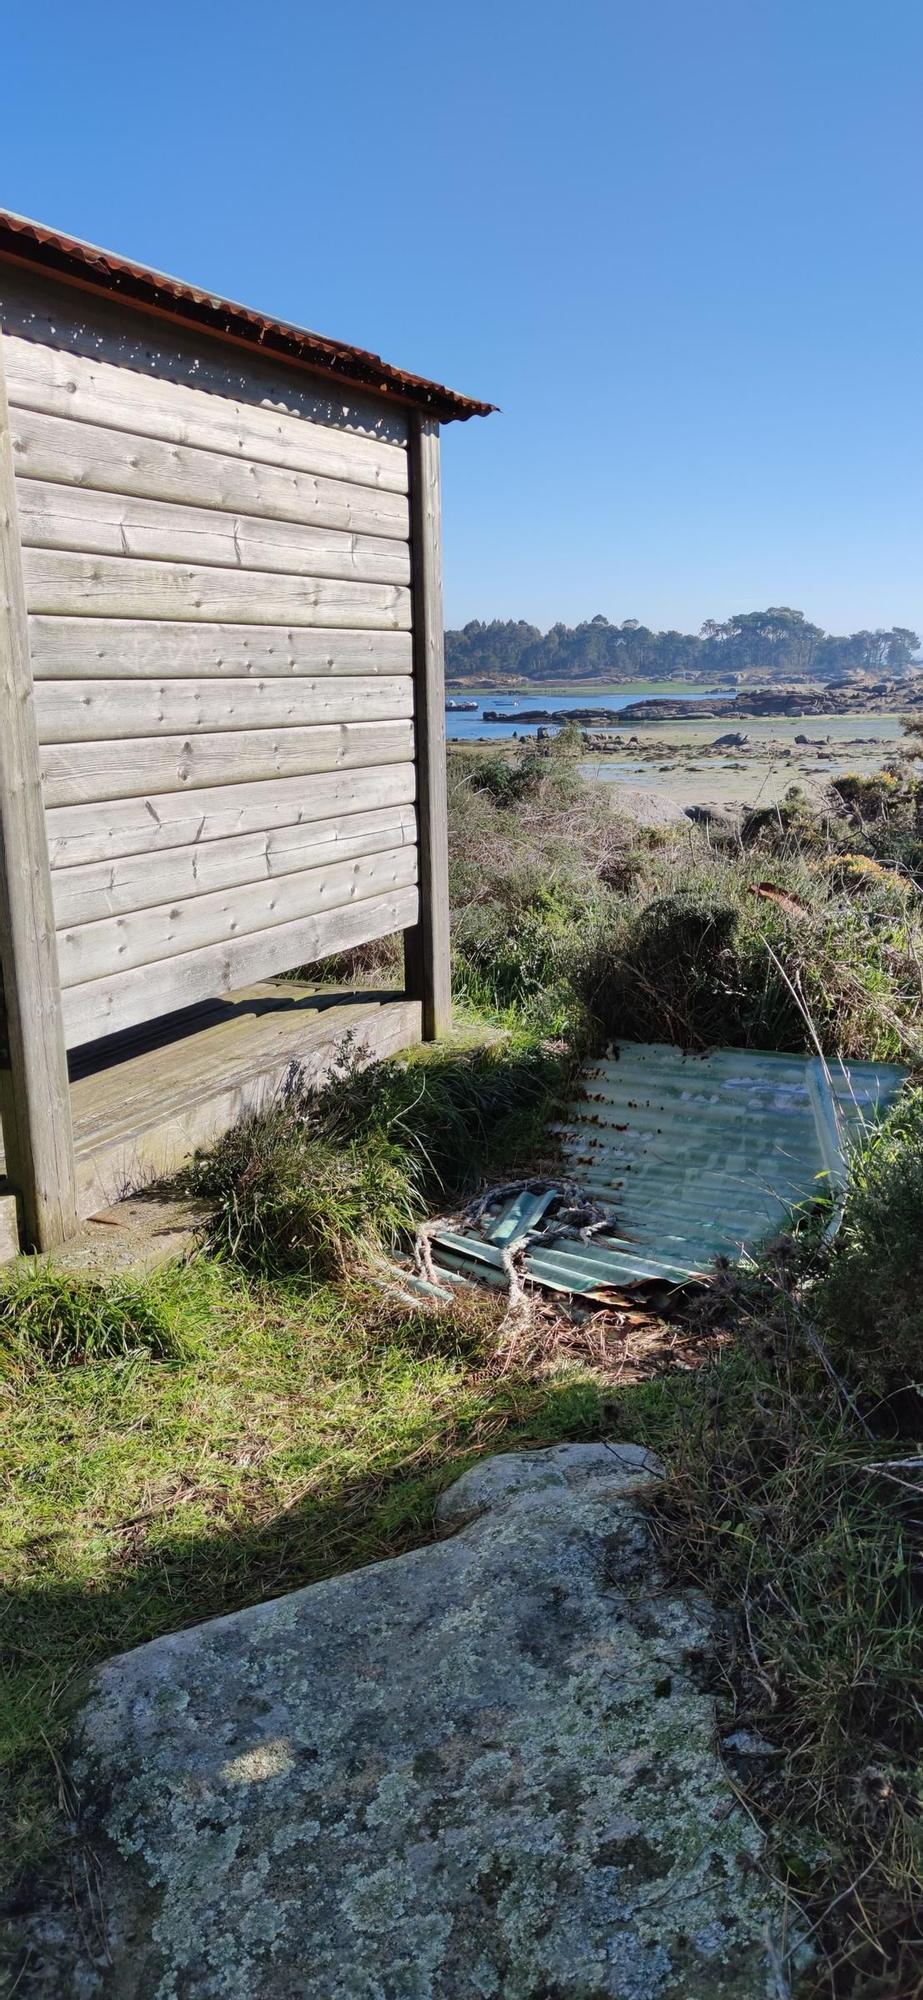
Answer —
869 1302
535 852
288 1198
774 1507
54 1320
322 1181
673 971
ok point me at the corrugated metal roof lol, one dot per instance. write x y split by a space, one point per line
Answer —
102 271
705 1155
697 1157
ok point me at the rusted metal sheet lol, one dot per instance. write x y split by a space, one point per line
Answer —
696 1157
97 270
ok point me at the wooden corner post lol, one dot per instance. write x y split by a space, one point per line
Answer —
427 948
34 1096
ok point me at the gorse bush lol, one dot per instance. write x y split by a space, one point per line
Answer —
791 935
720 957
882 818
882 797
792 825
869 1303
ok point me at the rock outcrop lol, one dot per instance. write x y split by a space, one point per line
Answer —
486 1768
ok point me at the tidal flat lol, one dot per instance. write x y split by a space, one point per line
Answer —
685 762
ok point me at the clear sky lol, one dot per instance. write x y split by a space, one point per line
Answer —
678 241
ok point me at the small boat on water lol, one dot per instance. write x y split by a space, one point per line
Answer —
461 707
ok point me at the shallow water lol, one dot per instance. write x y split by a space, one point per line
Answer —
617 695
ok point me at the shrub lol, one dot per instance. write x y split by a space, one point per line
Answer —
792 826
884 817
724 957
771 1508
531 882
860 872
320 1182
870 1301
668 975
875 797
694 969
289 1198
548 768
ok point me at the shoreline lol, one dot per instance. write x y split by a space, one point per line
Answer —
688 764
761 705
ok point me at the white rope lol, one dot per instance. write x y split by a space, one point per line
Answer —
577 1218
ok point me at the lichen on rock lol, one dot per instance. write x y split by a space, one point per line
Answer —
486 1768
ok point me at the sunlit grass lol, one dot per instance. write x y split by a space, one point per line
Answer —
277 1434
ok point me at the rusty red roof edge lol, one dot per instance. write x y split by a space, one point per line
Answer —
101 271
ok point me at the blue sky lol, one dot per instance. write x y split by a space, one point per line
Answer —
678 241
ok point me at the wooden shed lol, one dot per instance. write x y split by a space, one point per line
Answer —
222 730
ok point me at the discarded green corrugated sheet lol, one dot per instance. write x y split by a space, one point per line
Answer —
697 1157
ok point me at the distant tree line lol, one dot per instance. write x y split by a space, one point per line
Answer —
780 643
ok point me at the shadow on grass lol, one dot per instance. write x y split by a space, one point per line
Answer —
161 1579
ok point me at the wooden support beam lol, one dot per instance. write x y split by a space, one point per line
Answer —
34 1095
427 948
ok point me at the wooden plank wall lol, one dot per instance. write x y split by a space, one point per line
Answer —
38 1154
217 568
427 949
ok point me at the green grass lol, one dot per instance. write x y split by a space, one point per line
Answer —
570 920
269 1435
201 1440
870 1300
318 1183
223 1431
771 1508
260 1418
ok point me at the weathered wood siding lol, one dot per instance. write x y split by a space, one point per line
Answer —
216 555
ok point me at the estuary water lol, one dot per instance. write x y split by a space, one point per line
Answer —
463 728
